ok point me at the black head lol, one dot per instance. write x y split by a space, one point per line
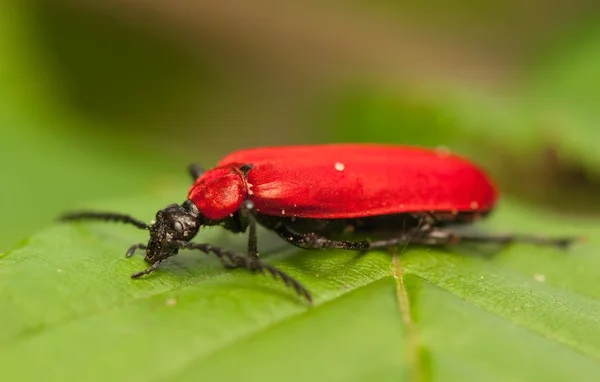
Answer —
173 224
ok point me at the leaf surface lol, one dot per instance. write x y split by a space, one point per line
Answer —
71 312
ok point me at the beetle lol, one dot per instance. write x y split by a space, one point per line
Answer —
318 197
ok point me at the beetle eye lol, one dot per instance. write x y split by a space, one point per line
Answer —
177 226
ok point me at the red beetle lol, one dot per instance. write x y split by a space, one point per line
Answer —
324 197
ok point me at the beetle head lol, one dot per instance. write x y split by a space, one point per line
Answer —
173 224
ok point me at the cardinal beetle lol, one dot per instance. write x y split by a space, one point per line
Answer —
324 197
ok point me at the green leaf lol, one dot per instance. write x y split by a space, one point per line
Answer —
71 312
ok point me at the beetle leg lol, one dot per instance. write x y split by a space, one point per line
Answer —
130 252
147 270
241 261
388 243
312 241
195 171
415 235
247 211
442 237
316 242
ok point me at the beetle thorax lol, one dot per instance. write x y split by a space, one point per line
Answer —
219 192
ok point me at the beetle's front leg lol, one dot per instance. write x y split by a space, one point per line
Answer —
150 269
240 261
131 251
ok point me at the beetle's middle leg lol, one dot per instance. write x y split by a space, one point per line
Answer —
312 241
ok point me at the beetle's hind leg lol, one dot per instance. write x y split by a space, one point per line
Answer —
442 236
448 237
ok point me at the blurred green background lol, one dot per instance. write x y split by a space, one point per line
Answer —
108 99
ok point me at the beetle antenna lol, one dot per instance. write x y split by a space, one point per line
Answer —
105 216
243 261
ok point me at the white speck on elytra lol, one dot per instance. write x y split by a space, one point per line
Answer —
283 212
339 166
474 205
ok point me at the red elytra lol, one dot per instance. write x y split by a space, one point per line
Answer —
343 181
346 196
